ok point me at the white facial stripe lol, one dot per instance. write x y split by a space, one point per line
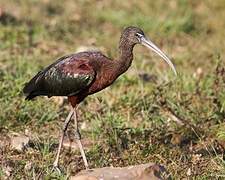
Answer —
140 35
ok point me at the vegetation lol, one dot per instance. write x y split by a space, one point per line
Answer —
147 115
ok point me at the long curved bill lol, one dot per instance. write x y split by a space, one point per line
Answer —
154 48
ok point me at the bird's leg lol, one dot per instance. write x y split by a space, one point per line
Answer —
66 123
78 138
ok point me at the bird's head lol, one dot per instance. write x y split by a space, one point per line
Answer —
134 35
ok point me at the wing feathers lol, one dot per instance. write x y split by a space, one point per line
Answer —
66 77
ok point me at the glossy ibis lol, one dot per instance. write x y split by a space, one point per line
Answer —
79 75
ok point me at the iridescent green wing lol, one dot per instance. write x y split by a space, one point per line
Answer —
68 77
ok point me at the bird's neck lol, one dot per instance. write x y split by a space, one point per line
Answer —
126 56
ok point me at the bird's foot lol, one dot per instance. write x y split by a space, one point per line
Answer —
87 167
55 168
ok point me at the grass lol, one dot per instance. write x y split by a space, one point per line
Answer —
177 122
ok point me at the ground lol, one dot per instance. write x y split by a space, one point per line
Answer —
147 115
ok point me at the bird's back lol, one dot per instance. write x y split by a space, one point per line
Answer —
65 77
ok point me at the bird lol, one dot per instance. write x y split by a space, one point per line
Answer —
81 74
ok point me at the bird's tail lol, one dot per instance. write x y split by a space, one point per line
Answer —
32 88
29 91
30 96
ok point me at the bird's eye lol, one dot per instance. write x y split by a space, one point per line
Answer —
137 35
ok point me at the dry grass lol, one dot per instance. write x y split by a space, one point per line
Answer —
177 122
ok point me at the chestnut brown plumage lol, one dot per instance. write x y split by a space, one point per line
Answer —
79 75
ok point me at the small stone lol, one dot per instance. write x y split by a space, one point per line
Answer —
189 172
19 143
139 172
